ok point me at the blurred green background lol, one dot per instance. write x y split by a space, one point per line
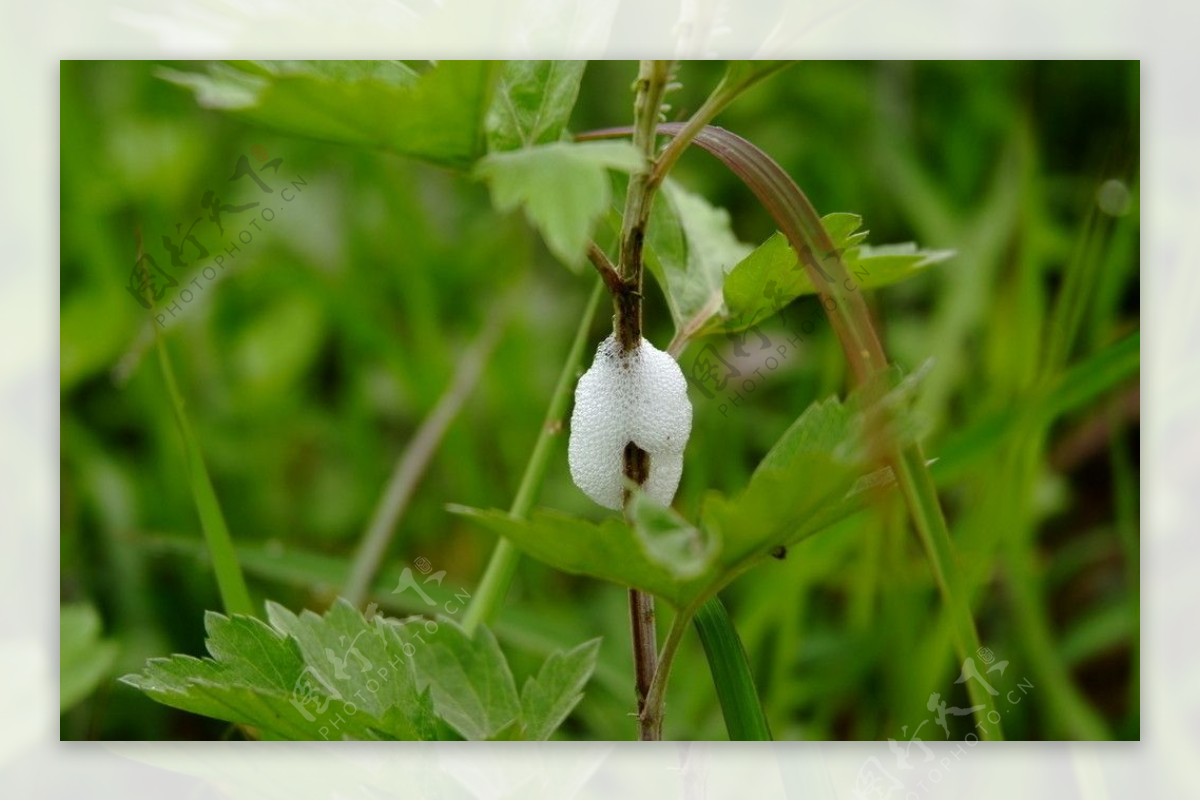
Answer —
308 364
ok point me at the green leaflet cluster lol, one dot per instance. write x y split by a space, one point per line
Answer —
342 676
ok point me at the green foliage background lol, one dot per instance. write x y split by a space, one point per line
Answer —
310 362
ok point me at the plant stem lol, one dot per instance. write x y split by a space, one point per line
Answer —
651 716
503 563
645 662
416 457
651 669
726 92
606 269
651 85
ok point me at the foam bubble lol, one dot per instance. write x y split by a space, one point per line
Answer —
639 396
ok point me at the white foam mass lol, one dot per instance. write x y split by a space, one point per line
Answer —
639 396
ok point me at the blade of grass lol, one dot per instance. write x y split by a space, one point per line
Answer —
1070 705
1082 383
743 713
235 597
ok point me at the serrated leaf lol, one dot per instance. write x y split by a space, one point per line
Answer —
563 188
774 508
467 676
437 115
256 677
533 103
690 250
340 676
363 662
547 699
813 475
526 630
771 277
810 468
85 658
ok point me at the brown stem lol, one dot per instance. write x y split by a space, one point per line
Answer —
608 272
652 80
645 660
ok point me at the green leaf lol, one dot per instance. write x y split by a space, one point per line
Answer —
85 658
547 699
320 574
806 471
562 187
608 550
730 667
470 682
256 677
690 249
340 676
668 539
771 277
364 662
532 103
812 478
437 116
